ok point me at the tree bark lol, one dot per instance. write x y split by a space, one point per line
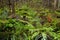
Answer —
12 6
55 4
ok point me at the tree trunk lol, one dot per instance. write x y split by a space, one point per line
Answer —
11 6
55 4
58 3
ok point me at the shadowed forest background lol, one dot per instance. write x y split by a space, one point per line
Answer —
29 19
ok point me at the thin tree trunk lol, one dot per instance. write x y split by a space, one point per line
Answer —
58 3
1 3
9 3
13 6
55 4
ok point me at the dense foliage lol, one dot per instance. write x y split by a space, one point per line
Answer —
28 24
